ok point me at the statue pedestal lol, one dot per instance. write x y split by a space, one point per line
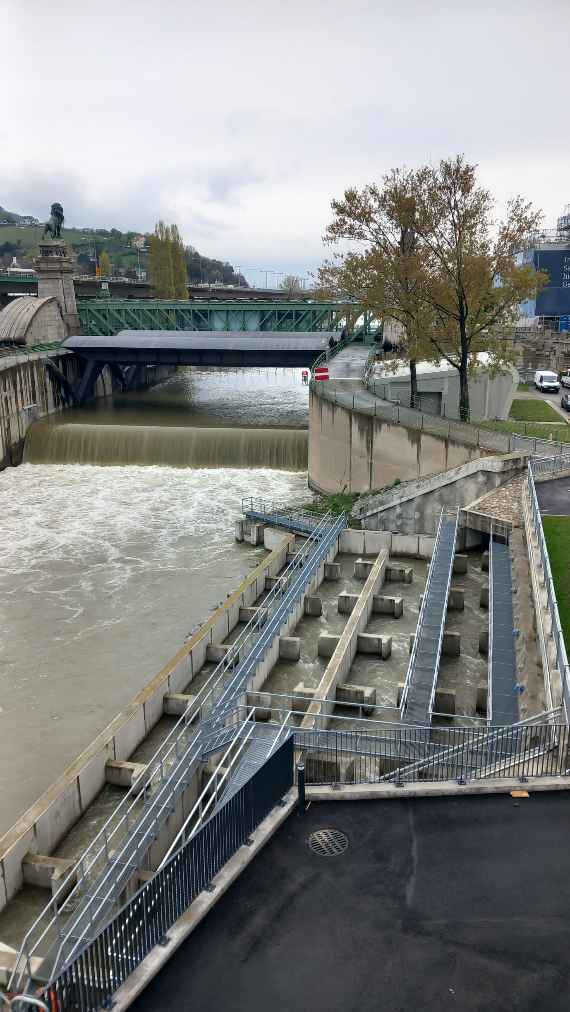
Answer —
55 277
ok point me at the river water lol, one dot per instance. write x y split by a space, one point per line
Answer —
105 570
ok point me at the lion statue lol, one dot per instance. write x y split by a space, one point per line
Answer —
54 225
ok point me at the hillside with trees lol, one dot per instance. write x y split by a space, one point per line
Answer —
128 252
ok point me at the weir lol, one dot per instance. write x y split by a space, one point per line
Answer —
171 446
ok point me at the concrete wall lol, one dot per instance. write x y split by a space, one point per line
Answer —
353 452
42 827
490 396
28 391
416 506
338 668
372 542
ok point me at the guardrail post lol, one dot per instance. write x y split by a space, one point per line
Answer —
300 788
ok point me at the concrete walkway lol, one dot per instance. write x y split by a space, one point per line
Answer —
349 363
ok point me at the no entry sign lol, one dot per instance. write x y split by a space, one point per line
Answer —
322 372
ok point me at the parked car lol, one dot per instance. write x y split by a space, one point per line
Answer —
565 402
565 379
546 381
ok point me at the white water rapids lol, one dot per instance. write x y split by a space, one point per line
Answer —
105 570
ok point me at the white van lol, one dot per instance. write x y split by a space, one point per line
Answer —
546 381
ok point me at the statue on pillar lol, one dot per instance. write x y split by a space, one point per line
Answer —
54 225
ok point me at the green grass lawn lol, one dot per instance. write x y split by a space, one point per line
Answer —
560 433
523 387
557 533
533 411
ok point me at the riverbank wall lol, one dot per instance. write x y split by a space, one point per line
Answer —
361 443
28 391
46 823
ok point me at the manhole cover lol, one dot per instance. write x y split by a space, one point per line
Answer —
328 842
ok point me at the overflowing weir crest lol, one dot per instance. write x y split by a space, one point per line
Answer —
170 446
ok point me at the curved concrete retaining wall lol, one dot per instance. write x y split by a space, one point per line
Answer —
358 442
354 452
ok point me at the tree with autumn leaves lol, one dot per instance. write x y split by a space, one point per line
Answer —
167 263
423 248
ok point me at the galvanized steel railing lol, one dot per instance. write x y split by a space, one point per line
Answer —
524 751
89 982
307 561
299 519
552 604
94 883
502 661
434 601
491 633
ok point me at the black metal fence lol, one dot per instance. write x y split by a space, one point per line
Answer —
100 969
407 754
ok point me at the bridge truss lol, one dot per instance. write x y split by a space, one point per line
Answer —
104 317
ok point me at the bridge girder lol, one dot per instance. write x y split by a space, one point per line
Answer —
105 317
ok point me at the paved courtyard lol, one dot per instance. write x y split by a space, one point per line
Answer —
436 904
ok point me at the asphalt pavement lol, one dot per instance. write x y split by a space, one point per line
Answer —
436 905
554 497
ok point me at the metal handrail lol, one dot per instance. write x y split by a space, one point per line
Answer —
446 513
212 800
483 738
205 699
490 643
552 603
328 532
423 610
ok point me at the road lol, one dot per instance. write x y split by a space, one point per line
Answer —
554 399
554 497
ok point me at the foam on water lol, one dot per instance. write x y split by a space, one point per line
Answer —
104 571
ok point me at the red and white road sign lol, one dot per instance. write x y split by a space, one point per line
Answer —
322 372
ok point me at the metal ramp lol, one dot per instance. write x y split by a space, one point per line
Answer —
502 683
421 677
262 744
299 519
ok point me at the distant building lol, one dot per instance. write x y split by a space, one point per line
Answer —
549 250
16 270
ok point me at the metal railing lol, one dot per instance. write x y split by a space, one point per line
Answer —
300 519
307 561
368 402
523 751
502 662
551 465
89 982
425 656
552 604
491 633
93 885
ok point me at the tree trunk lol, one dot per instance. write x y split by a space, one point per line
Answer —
464 409
413 384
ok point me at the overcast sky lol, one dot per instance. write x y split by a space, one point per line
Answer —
241 121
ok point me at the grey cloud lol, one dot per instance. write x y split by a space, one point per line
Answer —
242 122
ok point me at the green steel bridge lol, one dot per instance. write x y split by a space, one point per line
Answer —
105 317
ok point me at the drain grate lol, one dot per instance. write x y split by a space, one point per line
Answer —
328 842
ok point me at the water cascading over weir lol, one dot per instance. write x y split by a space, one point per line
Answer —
169 446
